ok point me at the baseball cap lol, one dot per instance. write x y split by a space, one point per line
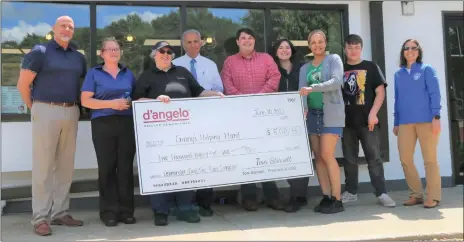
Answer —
162 44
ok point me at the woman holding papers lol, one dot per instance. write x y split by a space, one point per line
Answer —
164 81
284 54
106 90
320 81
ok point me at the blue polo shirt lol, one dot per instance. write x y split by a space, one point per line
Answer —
58 72
105 87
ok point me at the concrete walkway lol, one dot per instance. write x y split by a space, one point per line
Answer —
362 220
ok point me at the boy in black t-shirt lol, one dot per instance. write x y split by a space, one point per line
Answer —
363 93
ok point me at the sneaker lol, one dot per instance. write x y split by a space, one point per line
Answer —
188 216
386 200
161 219
324 202
348 197
336 206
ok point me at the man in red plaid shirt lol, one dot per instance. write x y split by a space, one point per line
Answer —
251 72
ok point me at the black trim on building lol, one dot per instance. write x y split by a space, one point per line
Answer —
183 23
93 33
378 56
446 17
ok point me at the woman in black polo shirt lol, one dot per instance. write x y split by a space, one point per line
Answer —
162 82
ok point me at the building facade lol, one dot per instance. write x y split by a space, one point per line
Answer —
384 26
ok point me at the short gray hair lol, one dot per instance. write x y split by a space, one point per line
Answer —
190 31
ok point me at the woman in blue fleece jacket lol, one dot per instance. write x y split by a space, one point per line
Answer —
417 116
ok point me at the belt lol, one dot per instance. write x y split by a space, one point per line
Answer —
57 104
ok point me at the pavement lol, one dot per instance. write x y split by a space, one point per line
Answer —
362 220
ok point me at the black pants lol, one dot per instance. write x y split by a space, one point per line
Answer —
270 191
114 142
299 187
204 197
371 147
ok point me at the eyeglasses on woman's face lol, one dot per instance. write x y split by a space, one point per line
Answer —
412 48
112 50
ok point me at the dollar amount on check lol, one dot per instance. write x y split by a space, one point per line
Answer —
199 143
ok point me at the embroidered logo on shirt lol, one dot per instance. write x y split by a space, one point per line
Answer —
181 78
417 76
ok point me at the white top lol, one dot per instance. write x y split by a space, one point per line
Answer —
207 72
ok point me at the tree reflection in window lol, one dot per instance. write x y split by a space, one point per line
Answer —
297 24
144 26
26 24
222 24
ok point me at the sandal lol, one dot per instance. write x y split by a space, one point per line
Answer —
436 204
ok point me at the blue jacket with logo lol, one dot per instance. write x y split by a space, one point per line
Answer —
417 94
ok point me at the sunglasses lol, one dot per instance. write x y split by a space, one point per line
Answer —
165 51
406 48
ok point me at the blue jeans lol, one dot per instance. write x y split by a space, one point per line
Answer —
161 203
315 124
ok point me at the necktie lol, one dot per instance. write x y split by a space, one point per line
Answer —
192 68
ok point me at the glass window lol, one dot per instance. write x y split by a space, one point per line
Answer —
456 41
295 25
218 27
138 28
25 24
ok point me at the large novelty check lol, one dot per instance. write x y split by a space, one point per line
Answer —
199 143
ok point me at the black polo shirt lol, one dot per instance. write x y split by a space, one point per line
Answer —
177 82
58 72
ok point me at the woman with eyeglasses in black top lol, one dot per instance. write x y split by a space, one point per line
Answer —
164 81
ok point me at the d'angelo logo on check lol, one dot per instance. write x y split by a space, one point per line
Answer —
175 116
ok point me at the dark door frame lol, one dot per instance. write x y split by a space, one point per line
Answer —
446 17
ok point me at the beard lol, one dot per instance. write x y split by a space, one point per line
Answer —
65 38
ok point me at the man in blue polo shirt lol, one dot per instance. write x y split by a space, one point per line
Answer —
54 69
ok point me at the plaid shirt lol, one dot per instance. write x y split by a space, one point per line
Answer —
258 74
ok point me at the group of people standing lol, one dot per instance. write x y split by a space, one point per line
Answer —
341 101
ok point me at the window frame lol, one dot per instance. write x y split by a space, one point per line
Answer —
183 5
14 117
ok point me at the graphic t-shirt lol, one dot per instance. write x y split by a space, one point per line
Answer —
314 77
360 82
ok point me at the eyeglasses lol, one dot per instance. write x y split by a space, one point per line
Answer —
406 48
165 51
112 50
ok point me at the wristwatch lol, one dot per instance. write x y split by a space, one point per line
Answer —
436 117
